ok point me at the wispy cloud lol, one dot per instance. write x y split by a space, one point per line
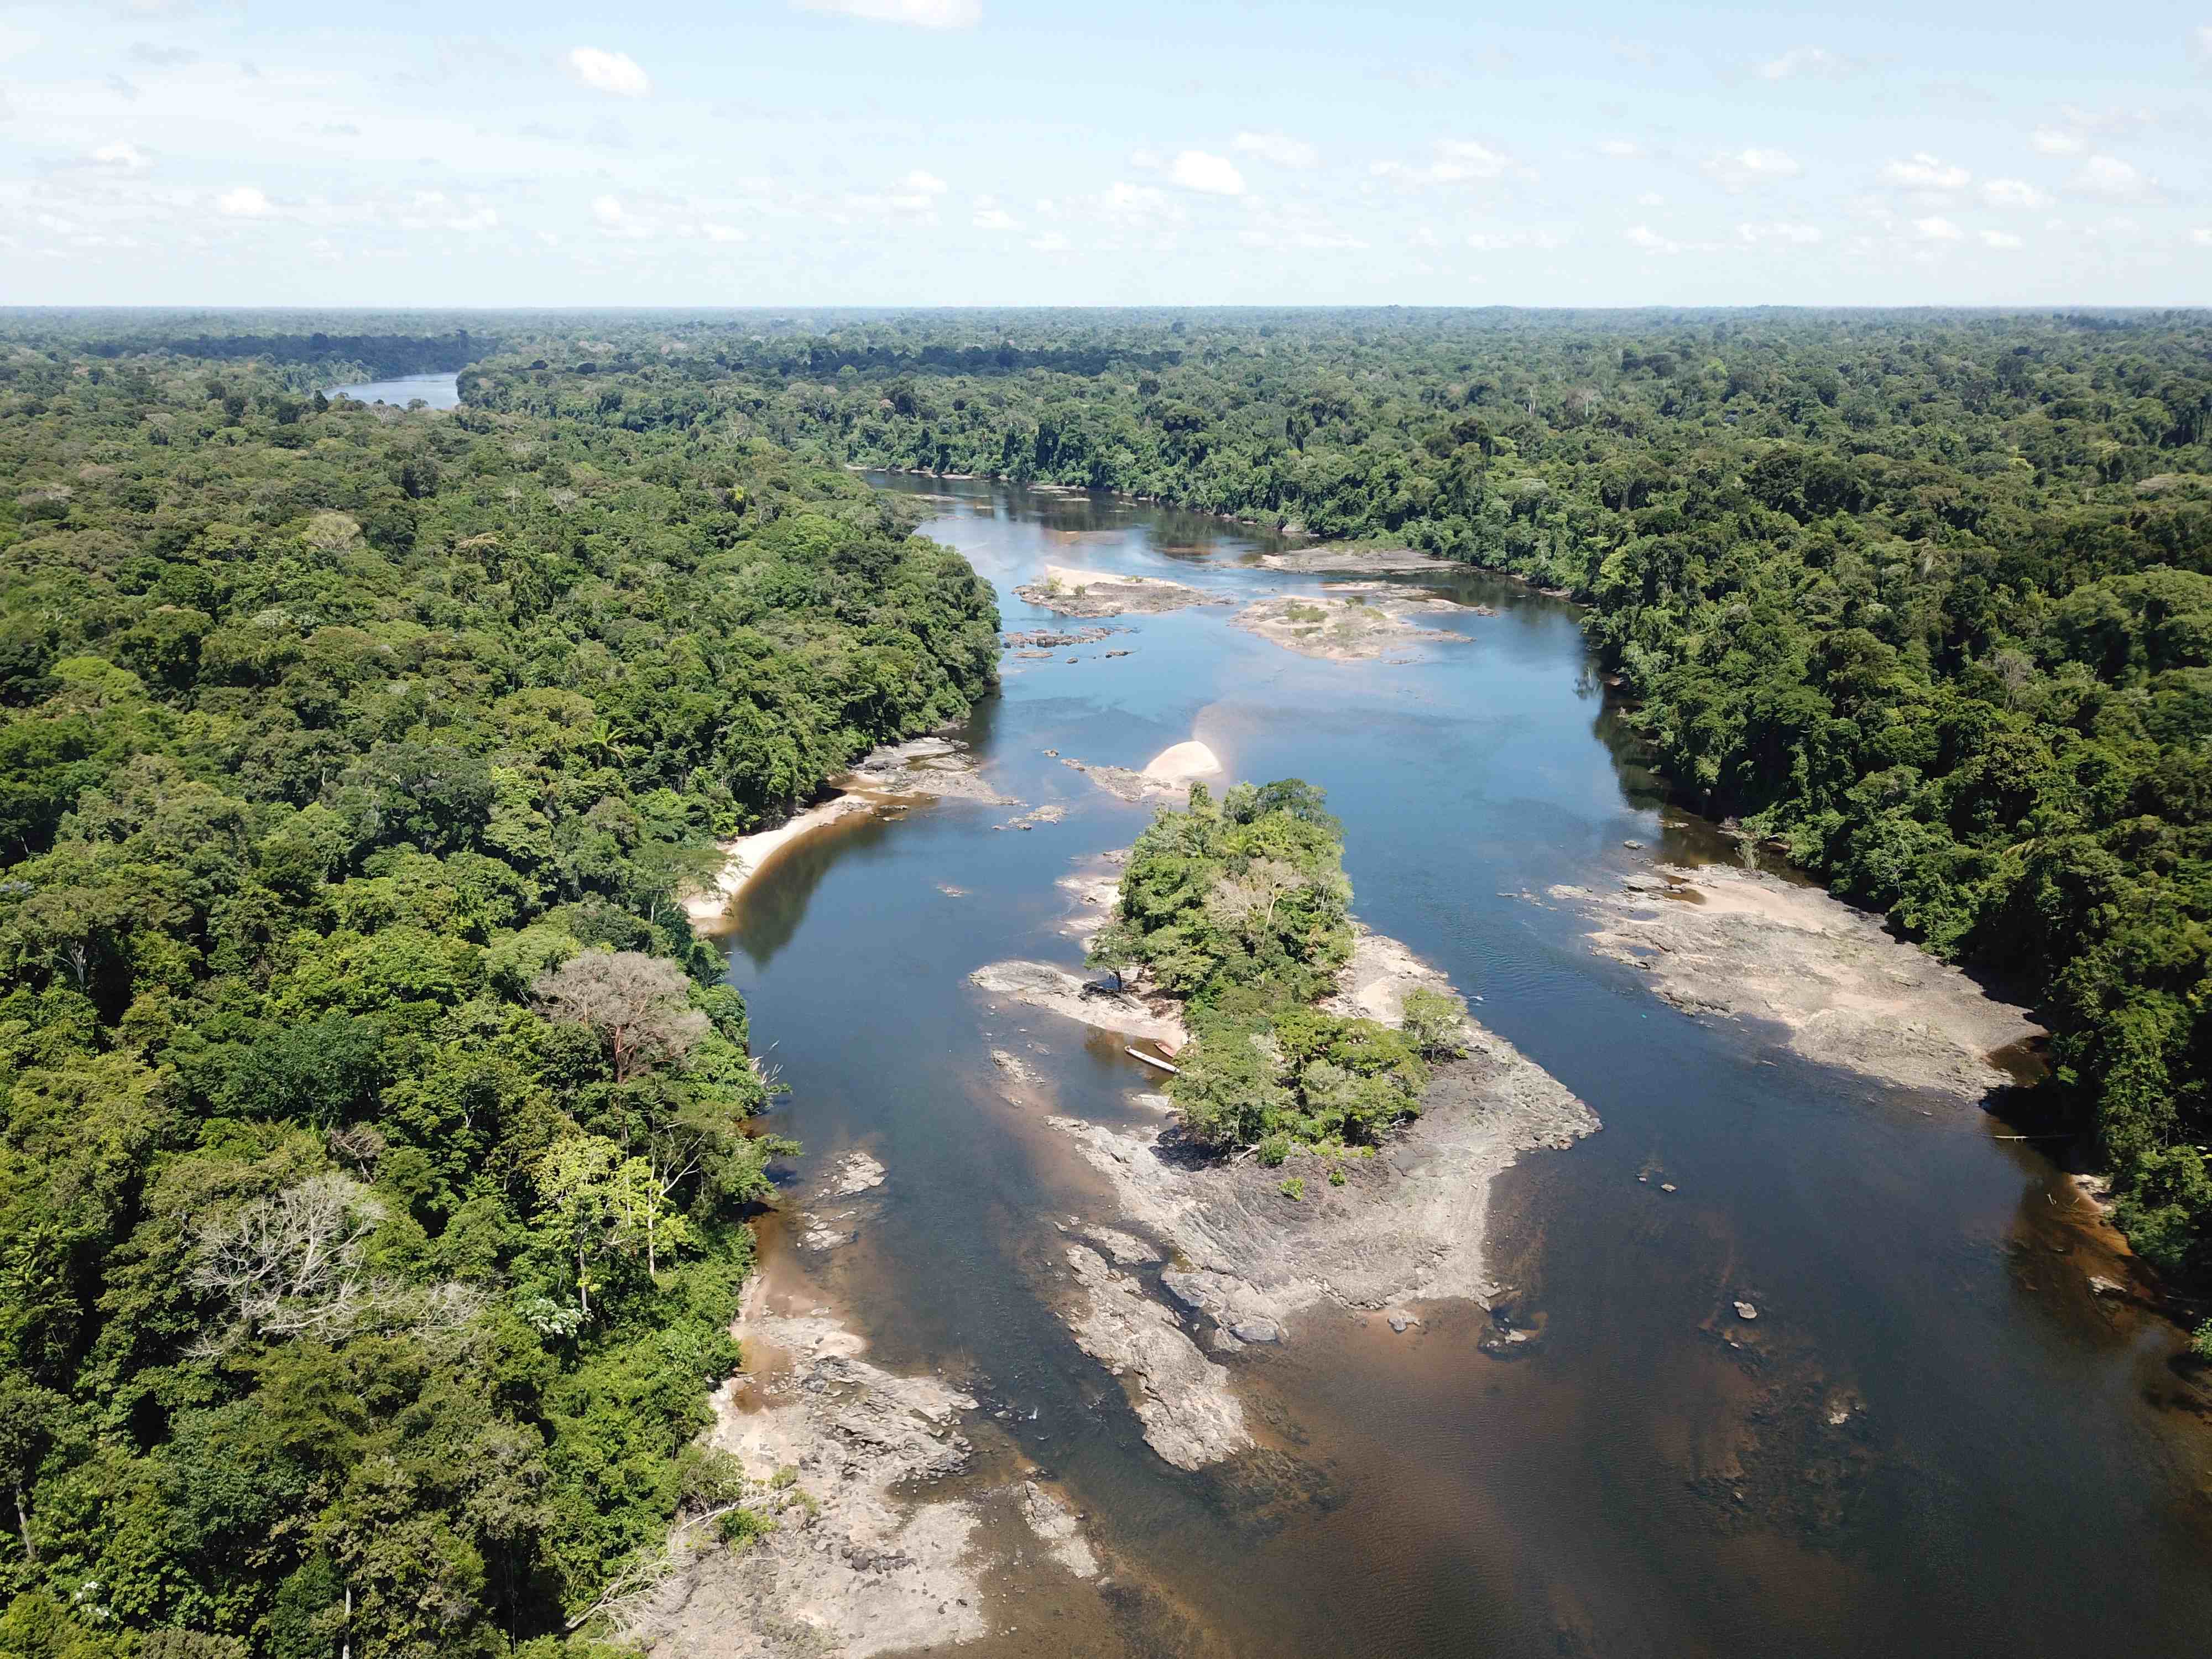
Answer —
609 71
1742 169
1456 161
1925 172
916 14
1794 232
1810 60
1279 149
2013 193
2109 176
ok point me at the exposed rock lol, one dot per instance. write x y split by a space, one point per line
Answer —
1053 1520
1746 1310
1016 1068
1180 1397
1125 1249
938 767
1074 592
1747 944
1317 560
1342 630
856 1172
1051 638
1042 985
869 1573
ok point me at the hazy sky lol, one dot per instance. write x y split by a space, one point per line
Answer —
781 152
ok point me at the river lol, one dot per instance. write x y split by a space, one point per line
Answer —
438 391
1935 1440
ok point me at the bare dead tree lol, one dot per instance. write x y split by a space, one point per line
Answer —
639 1006
290 1264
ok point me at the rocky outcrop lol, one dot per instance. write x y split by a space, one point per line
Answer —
1180 1397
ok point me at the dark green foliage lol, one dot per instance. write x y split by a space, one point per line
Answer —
352 1290
1239 908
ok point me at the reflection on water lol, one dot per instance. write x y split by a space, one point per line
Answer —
1932 1438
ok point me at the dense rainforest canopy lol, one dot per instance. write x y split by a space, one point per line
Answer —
1925 596
375 1137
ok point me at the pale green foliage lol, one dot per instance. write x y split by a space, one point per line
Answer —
1434 1022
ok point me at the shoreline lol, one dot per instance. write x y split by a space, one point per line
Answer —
744 857
1748 945
933 768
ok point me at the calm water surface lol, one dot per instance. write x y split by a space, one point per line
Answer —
1934 1440
439 391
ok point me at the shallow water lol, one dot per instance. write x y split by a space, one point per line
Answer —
1933 1439
439 391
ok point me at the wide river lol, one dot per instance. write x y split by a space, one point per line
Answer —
1935 1440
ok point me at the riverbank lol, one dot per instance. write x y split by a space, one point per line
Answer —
1718 939
744 856
933 767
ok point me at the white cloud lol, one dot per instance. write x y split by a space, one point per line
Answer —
482 218
1925 172
2000 239
1651 198
1458 162
923 183
1936 230
609 210
1051 242
609 71
1278 148
1212 175
127 156
14 42
2108 176
919 13
2202 39
715 232
989 215
1809 60
2052 141
1798 234
1742 168
1650 241
2013 193
2202 236
1621 150
243 202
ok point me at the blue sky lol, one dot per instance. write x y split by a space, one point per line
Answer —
953 152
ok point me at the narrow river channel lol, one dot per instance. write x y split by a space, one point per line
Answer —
1935 1439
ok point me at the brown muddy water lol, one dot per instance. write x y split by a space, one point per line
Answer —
1934 1438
